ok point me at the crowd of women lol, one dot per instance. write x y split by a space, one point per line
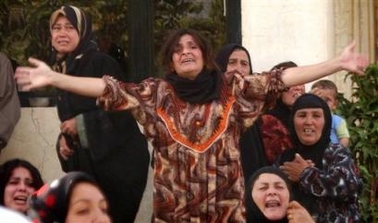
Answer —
214 158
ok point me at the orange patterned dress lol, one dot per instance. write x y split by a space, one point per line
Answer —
197 170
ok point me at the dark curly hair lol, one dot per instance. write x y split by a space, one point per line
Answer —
171 42
6 171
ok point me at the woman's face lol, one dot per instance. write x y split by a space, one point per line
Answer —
187 59
271 195
87 204
290 96
239 61
64 36
18 189
308 124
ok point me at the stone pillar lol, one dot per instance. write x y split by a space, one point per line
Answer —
233 21
354 20
140 22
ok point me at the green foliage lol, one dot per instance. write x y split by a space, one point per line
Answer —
110 18
175 14
25 23
361 114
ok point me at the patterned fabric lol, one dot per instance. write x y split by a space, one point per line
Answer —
197 172
336 186
276 137
329 190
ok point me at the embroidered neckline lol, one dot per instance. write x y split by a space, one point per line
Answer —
198 147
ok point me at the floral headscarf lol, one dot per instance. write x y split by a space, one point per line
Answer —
50 203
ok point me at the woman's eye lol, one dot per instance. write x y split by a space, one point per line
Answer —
177 49
104 210
262 188
13 182
82 211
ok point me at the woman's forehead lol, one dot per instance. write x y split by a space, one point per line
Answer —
269 178
307 110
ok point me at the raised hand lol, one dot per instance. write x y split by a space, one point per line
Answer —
352 61
36 76
296 213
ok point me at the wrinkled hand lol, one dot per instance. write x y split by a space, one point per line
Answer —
294 168
64 151
296 213
33 77
352 61
69 127
236 78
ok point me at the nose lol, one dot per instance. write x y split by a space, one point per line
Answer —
185 50
271 191
21 186
62 31
308 120
239 68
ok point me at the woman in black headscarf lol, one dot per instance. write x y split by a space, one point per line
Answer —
325 178
109 146
265 140
274 123
224 58
268 198
236 57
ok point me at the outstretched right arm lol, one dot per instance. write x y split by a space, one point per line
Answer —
40 75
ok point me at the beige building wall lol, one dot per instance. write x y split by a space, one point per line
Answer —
34 140
306 32
275 31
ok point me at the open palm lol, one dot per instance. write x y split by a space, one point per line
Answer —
33 77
